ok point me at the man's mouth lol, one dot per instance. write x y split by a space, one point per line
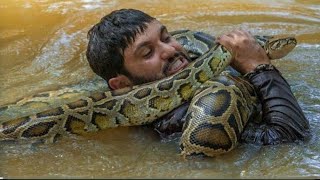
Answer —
177 64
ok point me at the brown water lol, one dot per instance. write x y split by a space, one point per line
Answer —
42 47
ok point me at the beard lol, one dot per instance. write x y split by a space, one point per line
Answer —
136 80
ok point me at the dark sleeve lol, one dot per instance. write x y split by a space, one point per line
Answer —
282 117
171 122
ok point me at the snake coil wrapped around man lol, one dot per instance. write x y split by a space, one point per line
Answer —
219 110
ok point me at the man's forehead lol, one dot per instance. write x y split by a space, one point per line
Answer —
153 29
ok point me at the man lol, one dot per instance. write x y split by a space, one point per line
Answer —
128 47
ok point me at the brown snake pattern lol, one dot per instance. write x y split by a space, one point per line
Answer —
220 105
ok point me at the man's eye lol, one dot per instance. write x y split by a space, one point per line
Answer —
147 53
167 39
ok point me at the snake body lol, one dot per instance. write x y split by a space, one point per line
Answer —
220 105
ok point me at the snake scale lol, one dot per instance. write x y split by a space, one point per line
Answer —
220 105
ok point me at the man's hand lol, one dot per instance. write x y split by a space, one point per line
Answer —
247 53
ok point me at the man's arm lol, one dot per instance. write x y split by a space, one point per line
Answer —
171 122
282 117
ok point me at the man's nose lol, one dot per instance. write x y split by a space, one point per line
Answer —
167 51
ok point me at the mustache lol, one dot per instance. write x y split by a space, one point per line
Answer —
171 60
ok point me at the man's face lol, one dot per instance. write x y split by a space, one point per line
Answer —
154 54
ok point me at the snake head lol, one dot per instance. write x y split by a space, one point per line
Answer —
278 47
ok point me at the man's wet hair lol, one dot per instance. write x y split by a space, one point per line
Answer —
110 37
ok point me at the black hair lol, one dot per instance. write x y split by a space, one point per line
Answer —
109 38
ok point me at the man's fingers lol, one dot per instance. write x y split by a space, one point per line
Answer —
242 33
238 32
231 35
227 42
235 41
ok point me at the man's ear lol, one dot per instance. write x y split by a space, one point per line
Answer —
121 81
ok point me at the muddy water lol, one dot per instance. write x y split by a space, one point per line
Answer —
42 47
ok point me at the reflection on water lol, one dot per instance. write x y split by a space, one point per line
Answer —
43 48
